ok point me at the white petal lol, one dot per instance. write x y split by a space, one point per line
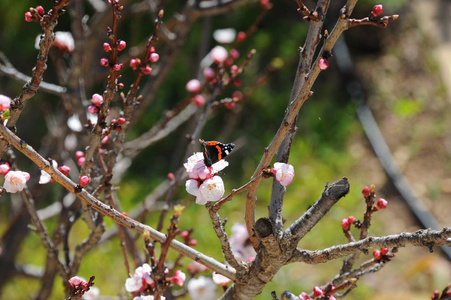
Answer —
74 123
224 36
211 189
192 187
202 288
45 177
193 160
219 166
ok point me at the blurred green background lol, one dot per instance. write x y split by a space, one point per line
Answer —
329 143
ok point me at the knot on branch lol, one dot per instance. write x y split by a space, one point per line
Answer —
337 189
263 228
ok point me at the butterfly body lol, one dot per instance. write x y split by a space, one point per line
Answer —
215 151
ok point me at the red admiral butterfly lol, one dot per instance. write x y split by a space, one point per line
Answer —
215 151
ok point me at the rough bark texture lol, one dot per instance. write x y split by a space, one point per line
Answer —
273 253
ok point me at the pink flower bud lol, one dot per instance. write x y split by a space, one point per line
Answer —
146 70
171 176
264 3
121 46
93 109
120 85
209 73
121 121
154 57
4 168
381 203
152 49
234 69
351 219
384 251
81 161
134 63
79 154
193 86
75 281
28 17
345 224
218 54
366 192
241 36
198 100
84 181
377 10
192 242
117 67
104 62
97 99
323 64
40 10
234 54
64 169
185 235
317 291
377 254
106 47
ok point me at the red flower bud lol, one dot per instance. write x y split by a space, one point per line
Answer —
381 203
40 10
121 121
317 291
377 254
241 36
117 67
84 181
64 169
104 62
198 100
106 47
28 17
79 154
377 10
234 54
345 224
384 251
323 64
366 192
121 46
146 70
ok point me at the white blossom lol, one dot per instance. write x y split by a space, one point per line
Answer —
224 36
284 173
15 181
202 288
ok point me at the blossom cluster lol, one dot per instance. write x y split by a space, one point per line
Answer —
203 182
15 181
80 285
142 280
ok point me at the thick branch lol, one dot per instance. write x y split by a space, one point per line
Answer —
332 193
422 238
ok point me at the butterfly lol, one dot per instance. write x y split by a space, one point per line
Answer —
215 151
